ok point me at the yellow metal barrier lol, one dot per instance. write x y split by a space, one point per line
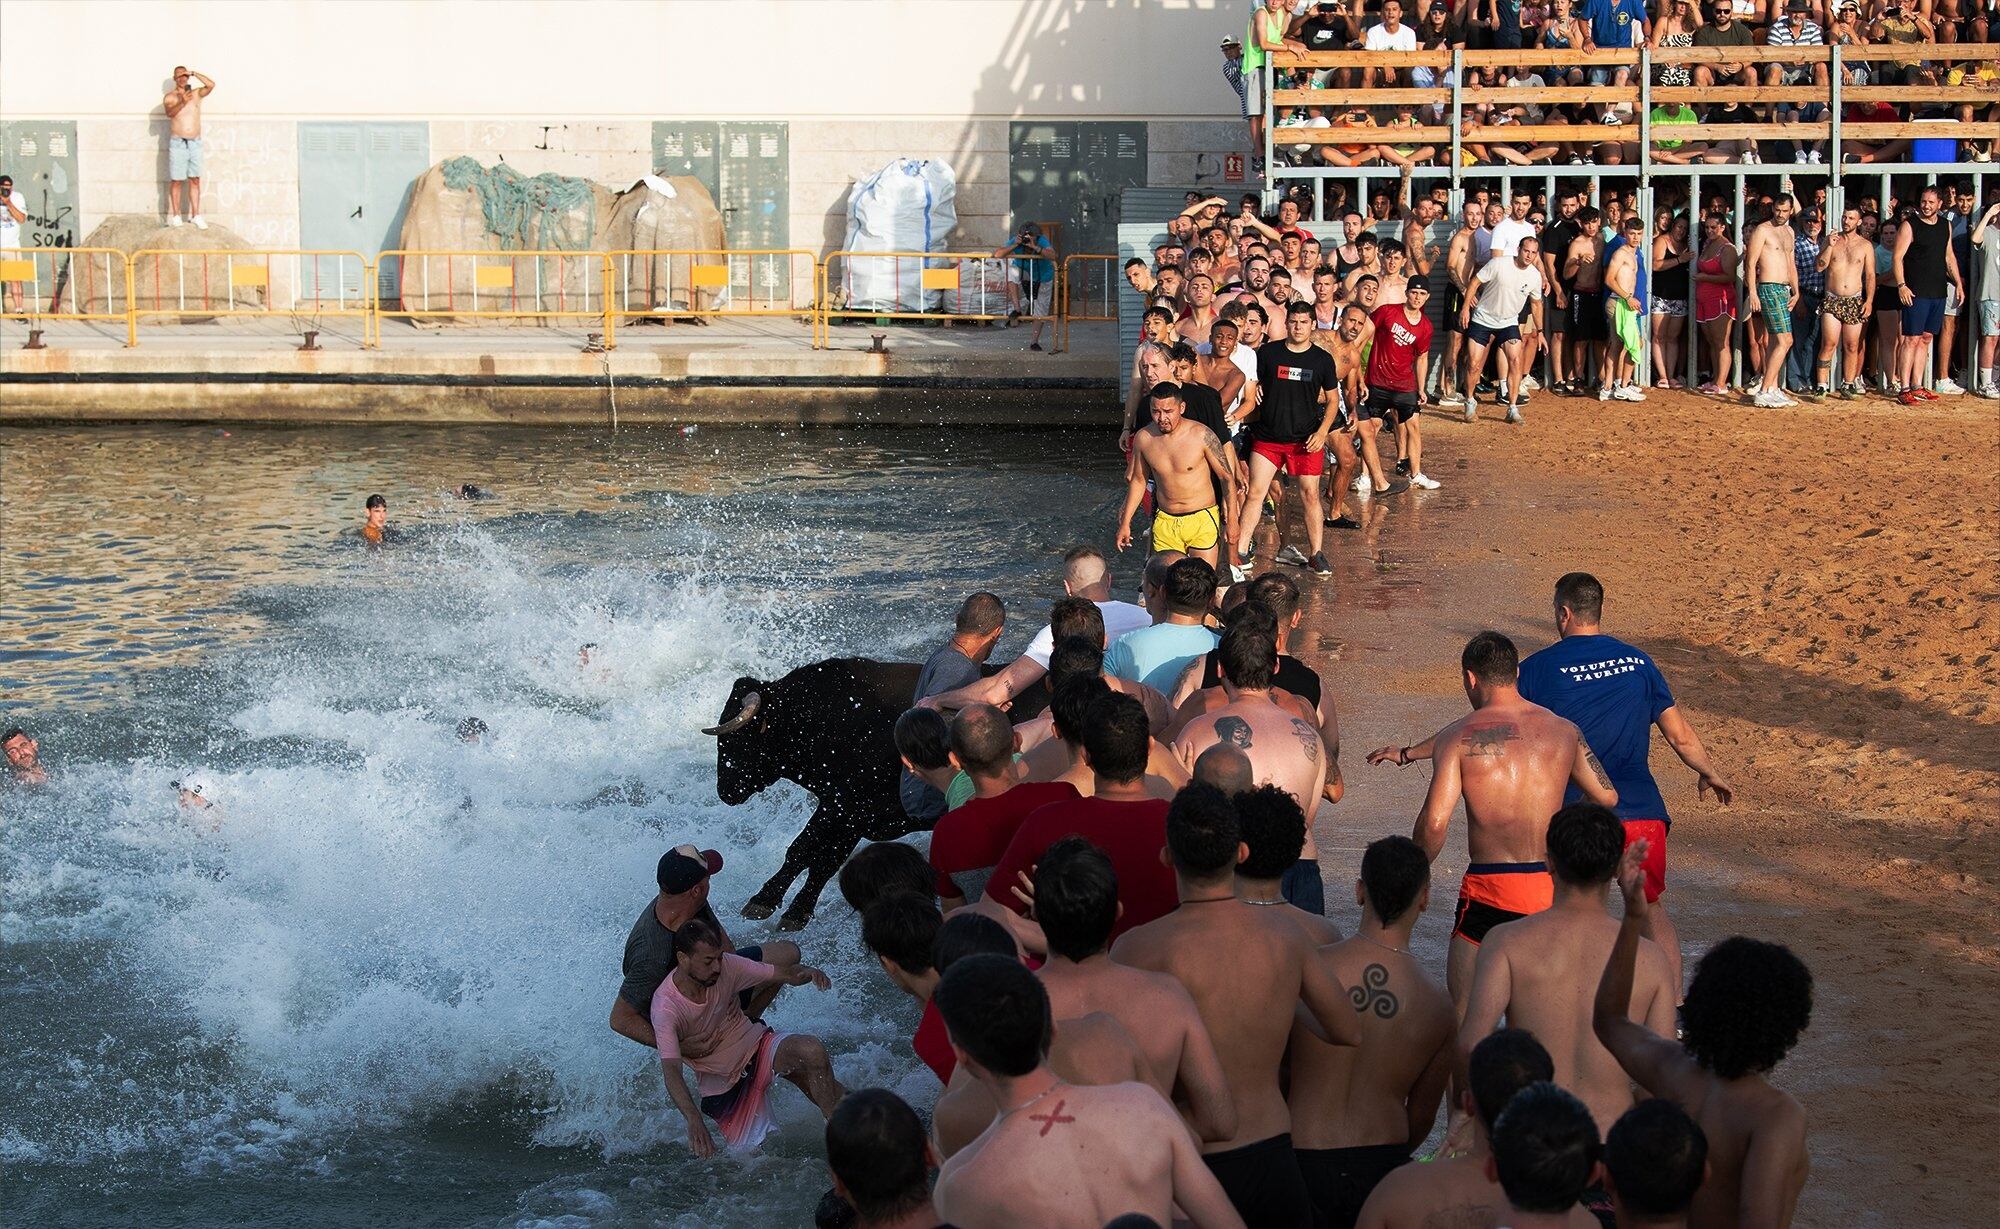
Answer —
1095 276
713 282
541 285
39 284
929 286
306 285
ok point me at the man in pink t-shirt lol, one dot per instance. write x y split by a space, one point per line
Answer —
698 1020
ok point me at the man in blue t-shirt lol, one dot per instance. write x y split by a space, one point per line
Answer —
1616 695
1614 25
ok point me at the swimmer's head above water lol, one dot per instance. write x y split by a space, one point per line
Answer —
376 516
471 730
23 756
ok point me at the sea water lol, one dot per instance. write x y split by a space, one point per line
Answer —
377 991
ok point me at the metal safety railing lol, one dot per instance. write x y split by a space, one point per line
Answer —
715 282
38 284
947 286
1089 291
304 285
104 284
509 285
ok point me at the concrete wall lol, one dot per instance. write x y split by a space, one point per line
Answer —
572 86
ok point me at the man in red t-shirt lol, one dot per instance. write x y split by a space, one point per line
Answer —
1121 820
969 840
1397 367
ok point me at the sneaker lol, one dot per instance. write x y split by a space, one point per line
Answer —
1768 400
1290 555
1342 522
1514 413
1750 157
173 220
1909 397
200 223
1783 398
1403 466
1990 391
1949 387
1529 383
1238 574
1629 392
1604 392
1361 485
1815 157
1471 410
1853 391
1815 394
1924 394
1397 487
1484 386
1423 482
1318 565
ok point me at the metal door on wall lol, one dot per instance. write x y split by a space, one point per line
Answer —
354 189
1072 174
41 156
747 168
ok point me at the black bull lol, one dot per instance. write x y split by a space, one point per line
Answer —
829 728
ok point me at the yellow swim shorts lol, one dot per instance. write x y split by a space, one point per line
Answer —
1190 531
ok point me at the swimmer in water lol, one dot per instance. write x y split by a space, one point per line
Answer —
468 491
377 520
471 730
196 804
24 761
583 653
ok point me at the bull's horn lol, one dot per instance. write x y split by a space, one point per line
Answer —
742 718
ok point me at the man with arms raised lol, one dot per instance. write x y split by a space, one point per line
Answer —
1187 467
1247 970
1773 278
1284 747
698 1020
1616 695
1459 1191
1076 902
1358 1111
1537 972
1058 1156
1849 264
1745 1009
1299 402
1509 761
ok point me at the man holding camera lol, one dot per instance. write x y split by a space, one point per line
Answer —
183 107
1032 279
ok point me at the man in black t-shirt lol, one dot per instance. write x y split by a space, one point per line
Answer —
1299 396
649 950
1556 239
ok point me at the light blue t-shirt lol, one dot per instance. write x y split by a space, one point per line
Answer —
1157 655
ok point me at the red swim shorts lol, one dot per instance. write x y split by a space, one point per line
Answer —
1291 458
1654 833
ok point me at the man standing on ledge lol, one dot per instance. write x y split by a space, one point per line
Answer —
183 106
1616 695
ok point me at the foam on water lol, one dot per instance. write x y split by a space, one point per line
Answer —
392 928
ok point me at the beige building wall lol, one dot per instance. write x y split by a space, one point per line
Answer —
573 87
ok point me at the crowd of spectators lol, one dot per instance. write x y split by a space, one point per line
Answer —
1607 130
1917 259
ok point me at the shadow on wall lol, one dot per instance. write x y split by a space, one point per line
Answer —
1053 61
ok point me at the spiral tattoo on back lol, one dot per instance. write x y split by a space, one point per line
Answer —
1373 995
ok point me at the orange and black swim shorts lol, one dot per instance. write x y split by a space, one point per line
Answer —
1496 892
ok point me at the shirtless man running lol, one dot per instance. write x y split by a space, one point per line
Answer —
1357 1112
1772 273
1247 971
1200 317
1076 902
1348 343
1194 485
1058 1156
1510 761
1849 265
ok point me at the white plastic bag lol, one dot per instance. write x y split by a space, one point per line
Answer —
907 206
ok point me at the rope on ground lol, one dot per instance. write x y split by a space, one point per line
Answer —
545 212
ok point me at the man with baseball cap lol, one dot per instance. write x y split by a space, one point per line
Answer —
683 877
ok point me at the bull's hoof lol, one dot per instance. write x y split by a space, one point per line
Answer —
794 921
757 910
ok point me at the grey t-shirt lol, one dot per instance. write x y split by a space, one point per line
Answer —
1989 266
1506 289
947 670
649 957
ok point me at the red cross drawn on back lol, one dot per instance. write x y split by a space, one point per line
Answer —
1050 1119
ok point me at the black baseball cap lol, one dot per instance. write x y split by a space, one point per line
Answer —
1415 284
683 867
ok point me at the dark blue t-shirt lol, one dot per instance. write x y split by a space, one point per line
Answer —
1612 22
1614 693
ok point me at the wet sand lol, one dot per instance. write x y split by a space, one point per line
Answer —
1821 588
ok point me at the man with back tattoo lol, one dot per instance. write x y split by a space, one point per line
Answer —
1283 747
1357 1111
1509 761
